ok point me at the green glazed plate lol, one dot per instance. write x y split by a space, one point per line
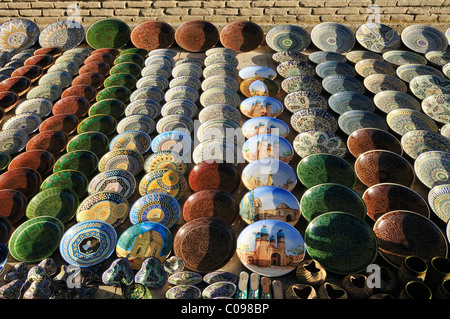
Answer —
108 33
85 162
96 142
130 57
36 239
142 52
115 108
121 79
5 159
102 123
126 67
322 168
120 93
57 202
341 242
69 178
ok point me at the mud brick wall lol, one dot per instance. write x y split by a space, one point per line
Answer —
264 12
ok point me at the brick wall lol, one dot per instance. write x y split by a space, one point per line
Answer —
265 12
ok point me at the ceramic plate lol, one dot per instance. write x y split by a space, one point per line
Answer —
405 120
383 82
432 168
148 107
327 68
175 141
136 122
180 107
175 123
219 95
39 106
48 91
257 106
221 58
112 107
445 130
358 55
437 107
259 87
126 159
135 140
293 67
27 122
401 57
316 141
107 206
70 179
301 83
288 37
348 101
318 57
367 139
422 38
335 37
217 111
46 231
163 180
66 34
114 180
150 92
417 142
389 100
152 80
282 56
264 124
341 242
262 231
313 119
408 72
351 121
12 142
219 68
341 83
439 199
166 160
269 172
108 33
181 92
368 67
257 71
61 78
102 123
438 58
191 81
52 141
160 208
216 150
220 81
426 85
298 100
377 37
219 129
267 146
83 161
88 243
194 70
18 34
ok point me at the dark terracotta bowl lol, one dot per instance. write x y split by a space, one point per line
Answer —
367 139
100 57
94 79
385 197
197 36
8 100
151 35
40 160
67 123
211 203
95 66
86 91
404 233
53 51
32 72
113 51
14 205
76 105
25 180
242 36
42 60
52 141
17 84
205 175
379 166
6 230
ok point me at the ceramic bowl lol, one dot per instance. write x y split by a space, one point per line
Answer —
317 141
220 129
217 150
341 83
257 106
156 207
135 140
213 175
151 92
422 38
86 91
259 87
404 233
367 139
114 92
438 57
127 159
136 122
95 79
27 122
191 69
269 172
221 58
318 57
368 67
96 142
69 178
377 37
348 101
341 242
67 123
175 141
39 106
288 37
423 86
191 81
264 124
220 81
217 111
175 123
152 35
76 105
257 71
166 159
313 119
14 205
242 36
432 168
335 37
386 197
148 107
52 141
301 83
180 107
219 95
293 67
103 123
95 66
351 121
32 72
13 142
436 107
83 161
380 166
181 92
322 168
152 80
119 79
376 83
297 100
408 72
389 100
196 36
327 68
438 199
8 100
417 142
402 57
40 160
402 121
163 180
25 180
112 107
17 84
267 146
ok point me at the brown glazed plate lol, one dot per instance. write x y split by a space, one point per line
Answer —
40 160
367 139
113 51
67 123
151 35
42 60
211 203
32 72
17 84
403 233
13 206
205 244
86 91
25 180
8 100
197 36
100 57
95 66
53 51
52 141
76 105
205 175
385 197
94 79
242 36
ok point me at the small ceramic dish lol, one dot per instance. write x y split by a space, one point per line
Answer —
351 121
156 207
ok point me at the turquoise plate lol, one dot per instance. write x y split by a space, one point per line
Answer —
335 37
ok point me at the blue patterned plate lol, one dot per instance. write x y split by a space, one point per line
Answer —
288 37
220 81
221 58
389 100
88 243
147 92
422 38
301 83
180 107
136 122
184 92
315 141
126 159
348 101
19 34
27 122
66 34
176 141
432 168
358 55
341 83
175 123
404 120
153 80
12 142
327 68
220 96
417 142
156 207
191 81
135 140
334 37
378 37
163 180
439 200
116 180
148 107
292 67
401 57
351 121
49 91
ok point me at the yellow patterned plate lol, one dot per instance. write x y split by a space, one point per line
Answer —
163 180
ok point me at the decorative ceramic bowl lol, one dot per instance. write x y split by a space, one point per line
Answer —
351 121
85 162
13 142
166 160
118 79
183 292
322 168
417 142
267 146
191 81
126 159
402 121
76 105
425 85
221 58
213 175
219 95
115 180
438 58
220 129
148 107
112 107
386 197
282 56
180 107
32 72
219 290
152 80
175 141
341 242
88 243
217 111
301 83
367 139
376 83
52 141
422 38
14 205
196 36
66 34
293 67
160 208
259 87
348 101
136 122
103 123
175 123
152 35
432 168
39 106
389 100
66 123
27 122
108 33
264 124
342 83
163 180
297 100
380 166
217 150
313 119
288 37
157 69
242 36
317 141
181 92
438 199
220 81
151 92
257 106
194 70
17 84
368 67
408 72
328 68
334 37
20 34
404 233
269 172
135 140
70 179
40 160
42 60
49 91
437 107
377 37
401 57
257 71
